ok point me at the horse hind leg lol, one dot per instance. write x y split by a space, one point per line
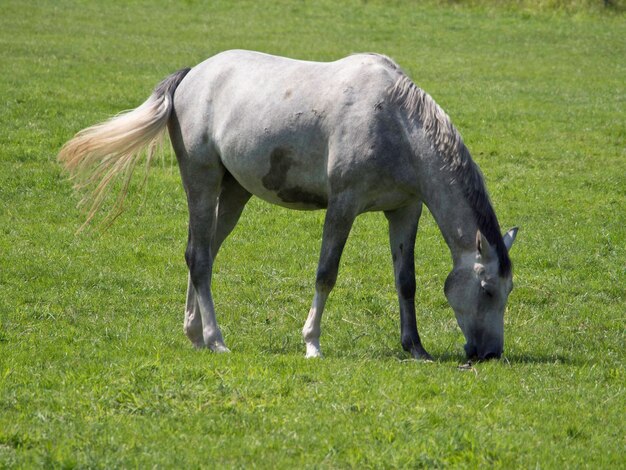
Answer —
402 231
202 196
231 202
192 325
337 224
233 198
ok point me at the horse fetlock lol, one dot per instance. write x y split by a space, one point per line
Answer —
311 337
311 334
409 342
193 331
196 338
213 339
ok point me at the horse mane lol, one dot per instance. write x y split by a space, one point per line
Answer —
456 160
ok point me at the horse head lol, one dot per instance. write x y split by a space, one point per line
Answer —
478 292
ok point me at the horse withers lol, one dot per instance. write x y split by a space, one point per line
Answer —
349 136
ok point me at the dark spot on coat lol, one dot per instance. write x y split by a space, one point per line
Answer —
288 93
276 180
298 195
280 162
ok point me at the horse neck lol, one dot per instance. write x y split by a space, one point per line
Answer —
450 183
445 198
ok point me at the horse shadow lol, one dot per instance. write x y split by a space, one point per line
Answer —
514 358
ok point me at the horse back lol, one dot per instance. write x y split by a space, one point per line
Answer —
292 131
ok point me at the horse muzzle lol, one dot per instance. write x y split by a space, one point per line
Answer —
482 354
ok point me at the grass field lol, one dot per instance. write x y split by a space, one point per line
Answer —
95 370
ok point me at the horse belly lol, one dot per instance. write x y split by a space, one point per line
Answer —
282 173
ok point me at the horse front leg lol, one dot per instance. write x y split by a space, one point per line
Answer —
337 224
402 231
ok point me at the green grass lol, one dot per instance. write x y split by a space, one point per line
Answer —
94 368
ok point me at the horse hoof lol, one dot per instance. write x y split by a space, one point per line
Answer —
312 352
219 348
421 355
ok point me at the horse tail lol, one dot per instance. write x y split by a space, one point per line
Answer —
100 154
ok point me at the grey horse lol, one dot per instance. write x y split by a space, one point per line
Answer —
349 136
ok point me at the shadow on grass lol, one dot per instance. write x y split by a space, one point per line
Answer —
534 358
512 359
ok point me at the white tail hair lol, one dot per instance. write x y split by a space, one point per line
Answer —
100 154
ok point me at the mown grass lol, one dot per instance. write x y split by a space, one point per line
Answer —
94 368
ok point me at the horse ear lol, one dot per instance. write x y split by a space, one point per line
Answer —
509 238
483 247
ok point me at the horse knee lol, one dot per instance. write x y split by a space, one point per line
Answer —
406 284
325 279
